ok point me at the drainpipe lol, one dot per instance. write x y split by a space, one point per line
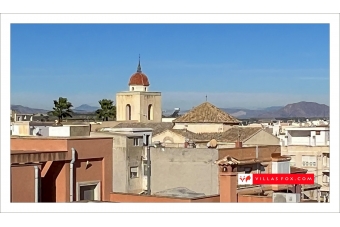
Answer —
149 170
36 184
71 173
257 164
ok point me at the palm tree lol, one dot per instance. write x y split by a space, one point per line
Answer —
107 110
61 109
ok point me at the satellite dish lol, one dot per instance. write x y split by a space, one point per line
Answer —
212 143
36 131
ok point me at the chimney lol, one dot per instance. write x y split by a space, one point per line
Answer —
238 144
279 164
186 144
228 185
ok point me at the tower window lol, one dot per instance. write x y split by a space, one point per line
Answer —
145 89
150 112
128 112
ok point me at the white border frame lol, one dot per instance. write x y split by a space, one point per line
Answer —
332 19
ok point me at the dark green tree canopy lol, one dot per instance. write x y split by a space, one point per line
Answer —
107 110
62 109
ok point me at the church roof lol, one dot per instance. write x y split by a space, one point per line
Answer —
206 113
230 136
139 78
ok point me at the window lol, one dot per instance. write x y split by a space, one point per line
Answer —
88 191
325 178
135 142
309 161
134 172
325 160
150 112
128 112
145 167
317 133
148 141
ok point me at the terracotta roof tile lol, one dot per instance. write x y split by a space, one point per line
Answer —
206 113
229 136
228 160
294 169
139 78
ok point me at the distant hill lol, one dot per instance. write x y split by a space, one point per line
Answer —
84 108
27 110
248 113
272 108
300 109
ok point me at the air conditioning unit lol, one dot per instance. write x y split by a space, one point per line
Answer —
286 198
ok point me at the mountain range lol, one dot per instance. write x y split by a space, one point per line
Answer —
300 109
82 109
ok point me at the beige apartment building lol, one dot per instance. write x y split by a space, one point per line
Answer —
308 148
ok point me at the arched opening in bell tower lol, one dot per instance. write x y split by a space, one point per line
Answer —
128 112
150 112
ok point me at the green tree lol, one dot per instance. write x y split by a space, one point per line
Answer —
61 109
107 110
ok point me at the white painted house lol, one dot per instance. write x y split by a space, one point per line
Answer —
308 148
310 136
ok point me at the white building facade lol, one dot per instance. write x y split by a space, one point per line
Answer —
308 148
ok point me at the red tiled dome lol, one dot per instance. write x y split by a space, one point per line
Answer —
140 79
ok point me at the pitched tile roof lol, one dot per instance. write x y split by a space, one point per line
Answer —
206 113
228 160
294 169
229 136
157 127
185 133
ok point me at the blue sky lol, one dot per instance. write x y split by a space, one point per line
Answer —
236 65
